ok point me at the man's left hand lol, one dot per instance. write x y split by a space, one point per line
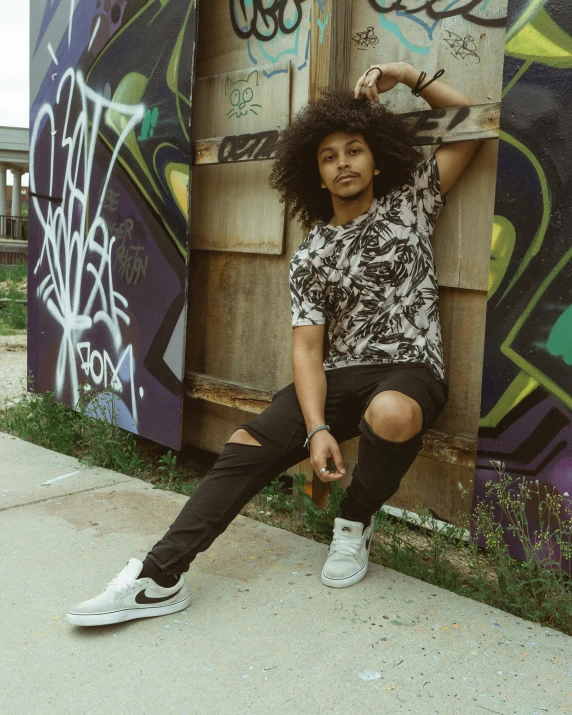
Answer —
384 79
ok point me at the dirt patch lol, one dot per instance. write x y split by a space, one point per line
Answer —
13 366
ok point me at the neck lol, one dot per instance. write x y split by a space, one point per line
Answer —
346 210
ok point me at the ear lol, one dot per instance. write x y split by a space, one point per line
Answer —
376 172
254 72
227 84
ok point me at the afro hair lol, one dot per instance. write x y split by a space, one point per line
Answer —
295 174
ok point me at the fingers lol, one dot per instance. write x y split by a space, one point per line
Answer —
320 462
358 86
368 81
372 85
338 459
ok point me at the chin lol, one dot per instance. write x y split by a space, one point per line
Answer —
351 194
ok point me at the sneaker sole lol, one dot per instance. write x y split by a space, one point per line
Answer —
343 582
128 614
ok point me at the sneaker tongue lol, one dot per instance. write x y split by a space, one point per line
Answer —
348 528
133 568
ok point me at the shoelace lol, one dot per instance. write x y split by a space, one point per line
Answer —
121 584
346 544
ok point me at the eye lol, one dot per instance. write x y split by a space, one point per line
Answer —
234 97
355 151
247 95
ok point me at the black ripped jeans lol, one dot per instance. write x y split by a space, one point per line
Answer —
243 470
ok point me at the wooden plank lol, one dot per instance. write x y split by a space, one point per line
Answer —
473 55
463 315
431 126
320 46
477 195
242 102
441 445
241 147
438 126
429 44
226 392
233 208
341 20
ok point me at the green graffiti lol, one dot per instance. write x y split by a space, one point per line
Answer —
148 125
560 339
542 40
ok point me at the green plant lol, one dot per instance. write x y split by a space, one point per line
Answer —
538 586
168 466
16 274
100 441
90 432
37 418
13 314
277 497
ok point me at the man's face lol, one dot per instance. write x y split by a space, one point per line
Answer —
346 165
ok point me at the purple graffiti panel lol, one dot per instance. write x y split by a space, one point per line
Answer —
526 409
110 145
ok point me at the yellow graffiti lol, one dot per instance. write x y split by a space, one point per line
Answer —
177 176
522 385
542 40
546 209
504 240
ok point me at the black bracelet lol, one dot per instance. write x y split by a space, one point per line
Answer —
375 69
418 88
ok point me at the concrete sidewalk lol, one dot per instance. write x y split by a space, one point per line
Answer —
262 633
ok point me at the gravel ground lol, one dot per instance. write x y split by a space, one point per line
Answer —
13 357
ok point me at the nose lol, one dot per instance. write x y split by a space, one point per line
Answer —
343 162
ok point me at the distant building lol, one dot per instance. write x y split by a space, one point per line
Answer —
23 200
14 158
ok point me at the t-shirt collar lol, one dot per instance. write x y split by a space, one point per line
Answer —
355 221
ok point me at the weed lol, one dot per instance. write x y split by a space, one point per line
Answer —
13 315
90 432
168 466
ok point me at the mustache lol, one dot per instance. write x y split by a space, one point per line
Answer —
345 174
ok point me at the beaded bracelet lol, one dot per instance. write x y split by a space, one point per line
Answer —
418 88
316 429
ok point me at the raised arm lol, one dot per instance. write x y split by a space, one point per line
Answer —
452 158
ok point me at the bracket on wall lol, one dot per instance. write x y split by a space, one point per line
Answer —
431 126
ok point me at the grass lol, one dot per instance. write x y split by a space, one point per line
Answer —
13 286
536 589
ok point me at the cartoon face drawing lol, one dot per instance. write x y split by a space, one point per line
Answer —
240 93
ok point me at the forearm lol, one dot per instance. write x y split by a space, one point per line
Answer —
438 94
311 386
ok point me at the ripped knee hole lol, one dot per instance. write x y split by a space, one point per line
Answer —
241 436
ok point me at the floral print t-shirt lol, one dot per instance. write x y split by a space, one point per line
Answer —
374 280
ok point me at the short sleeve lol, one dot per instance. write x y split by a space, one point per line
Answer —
427 190
307 298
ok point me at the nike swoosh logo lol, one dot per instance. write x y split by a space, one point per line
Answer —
141 598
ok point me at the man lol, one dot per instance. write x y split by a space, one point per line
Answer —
345 165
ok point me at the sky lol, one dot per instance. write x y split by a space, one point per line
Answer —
14 65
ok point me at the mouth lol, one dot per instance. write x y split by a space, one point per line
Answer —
345 178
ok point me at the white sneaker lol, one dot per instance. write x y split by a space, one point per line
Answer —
349 553
127 597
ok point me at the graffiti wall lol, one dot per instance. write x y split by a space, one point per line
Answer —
111 84
526 411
